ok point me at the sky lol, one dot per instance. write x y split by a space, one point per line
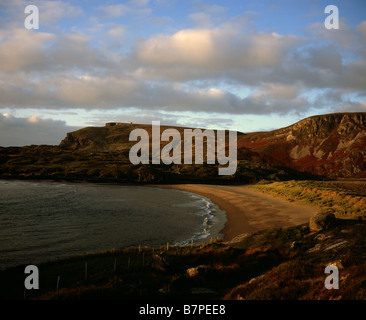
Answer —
245 65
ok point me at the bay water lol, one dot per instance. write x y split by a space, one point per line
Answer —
43 221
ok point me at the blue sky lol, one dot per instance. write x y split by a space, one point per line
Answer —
246 65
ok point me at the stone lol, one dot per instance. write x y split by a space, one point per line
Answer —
296 245
322 237
337 245
197 271
322 221
316 248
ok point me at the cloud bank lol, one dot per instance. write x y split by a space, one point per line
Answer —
220 64
17 132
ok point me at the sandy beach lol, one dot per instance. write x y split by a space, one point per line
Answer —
249 210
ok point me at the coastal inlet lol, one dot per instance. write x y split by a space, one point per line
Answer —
42 221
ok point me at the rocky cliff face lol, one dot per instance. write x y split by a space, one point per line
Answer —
108 138
332 145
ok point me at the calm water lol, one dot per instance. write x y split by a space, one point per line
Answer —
41 221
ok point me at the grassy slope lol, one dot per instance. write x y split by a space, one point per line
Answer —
343 198
46 162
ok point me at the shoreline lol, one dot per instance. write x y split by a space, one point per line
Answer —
248 210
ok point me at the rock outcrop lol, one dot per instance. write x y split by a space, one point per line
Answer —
332 145
322 221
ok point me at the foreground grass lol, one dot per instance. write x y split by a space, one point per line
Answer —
343 198
269 264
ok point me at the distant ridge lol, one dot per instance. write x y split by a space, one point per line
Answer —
332 145
327 146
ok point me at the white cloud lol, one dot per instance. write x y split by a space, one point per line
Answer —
116 32
362 28
53 11
188 47
113 11
215 48
50 12
343 38
135 7
31 130
351 106
139 3
21 49
280 91
201 19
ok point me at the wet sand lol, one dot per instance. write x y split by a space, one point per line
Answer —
248 210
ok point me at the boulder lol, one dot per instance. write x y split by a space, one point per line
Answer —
201 270
322 221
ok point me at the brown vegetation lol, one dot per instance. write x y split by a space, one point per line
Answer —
269 264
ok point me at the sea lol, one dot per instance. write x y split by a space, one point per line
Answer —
44 221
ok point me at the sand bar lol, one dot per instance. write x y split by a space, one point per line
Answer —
248 210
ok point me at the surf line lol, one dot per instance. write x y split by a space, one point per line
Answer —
172 151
